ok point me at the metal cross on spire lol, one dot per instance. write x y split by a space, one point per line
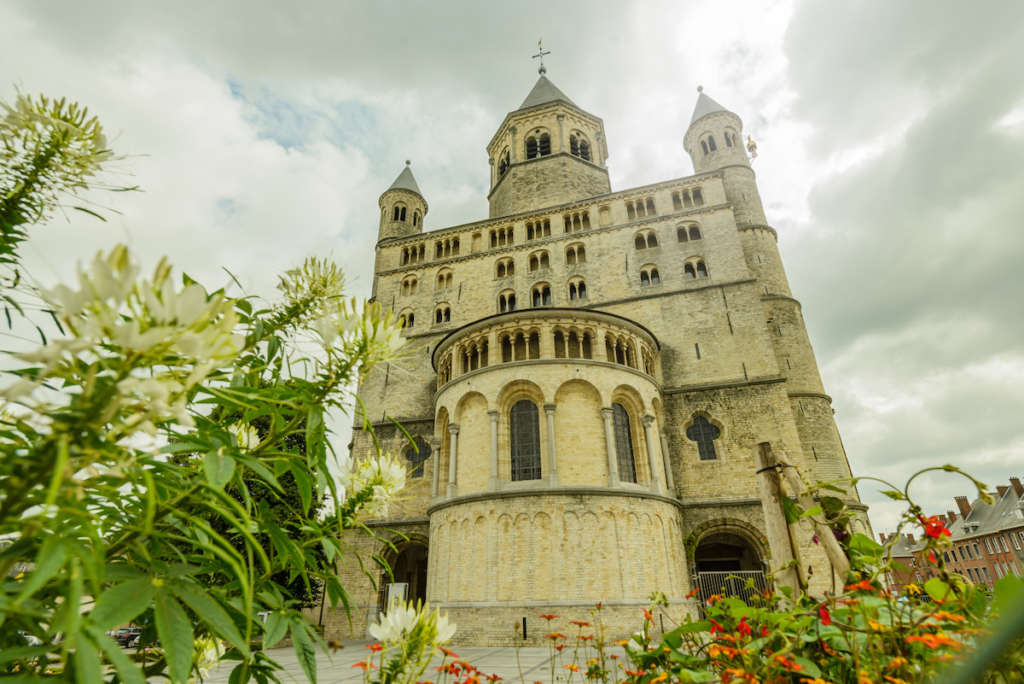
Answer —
540 55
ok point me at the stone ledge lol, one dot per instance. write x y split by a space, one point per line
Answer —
553 492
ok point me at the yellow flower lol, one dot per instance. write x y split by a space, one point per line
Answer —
913 589
876 625
863 678
897 662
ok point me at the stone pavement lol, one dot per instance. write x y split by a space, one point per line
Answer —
337 667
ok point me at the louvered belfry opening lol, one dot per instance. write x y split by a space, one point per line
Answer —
524 425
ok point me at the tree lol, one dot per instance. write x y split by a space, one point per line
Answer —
104 524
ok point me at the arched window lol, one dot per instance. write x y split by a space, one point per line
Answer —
711 143
539 260
538 229
729 138
623 443
698 197
442 314
702 270
652 240
689 273
538 146
639 242
649 276
444 279
577 290
506 301
541 295
704 433
417 455
575 254
704 146
531 147
681 234
645 279
407 320
694 233
504 268
504 161
578 146
416 218
584 150
524 438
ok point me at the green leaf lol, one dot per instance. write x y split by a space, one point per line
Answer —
23 653
218 467
175 632
1007 590
937 589
304 484
50 560
304 649
274 629
792 510
122 603
865 546
893 494
210 612
126 669
314 426
90 212
814 510
810 669
88 668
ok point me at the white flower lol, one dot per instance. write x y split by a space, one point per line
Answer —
246 435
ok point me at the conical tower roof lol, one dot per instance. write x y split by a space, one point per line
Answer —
405 181
705 106
544 91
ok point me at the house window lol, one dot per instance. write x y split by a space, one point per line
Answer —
704 433
416 456
524 437
623 443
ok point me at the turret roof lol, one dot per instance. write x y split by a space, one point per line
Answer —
705 106
544 91
405 181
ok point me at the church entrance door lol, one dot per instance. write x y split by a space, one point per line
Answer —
409 576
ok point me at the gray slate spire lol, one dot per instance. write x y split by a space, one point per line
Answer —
405 181
544 91
705 106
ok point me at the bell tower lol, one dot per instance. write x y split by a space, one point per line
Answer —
402 207
546 152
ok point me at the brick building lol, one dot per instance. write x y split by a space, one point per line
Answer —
987 540
590 373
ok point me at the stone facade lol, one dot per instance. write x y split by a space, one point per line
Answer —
587 377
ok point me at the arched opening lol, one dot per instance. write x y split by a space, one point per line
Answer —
408 580
728 564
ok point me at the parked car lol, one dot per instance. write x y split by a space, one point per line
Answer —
127 637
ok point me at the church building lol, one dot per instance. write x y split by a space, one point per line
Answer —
588 373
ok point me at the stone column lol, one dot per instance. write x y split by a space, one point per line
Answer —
435 449
648 421
609 439
493 415
561 132
453 440
547 342
670 483
549 411
494 173
514 147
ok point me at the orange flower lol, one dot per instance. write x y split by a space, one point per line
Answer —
648 616
788 664
636 673
365 665
817 680
449 653
579 623
713 598
894 680
690 594
943 615
572 667
492 678
586 637
555 635
376 648
897 663
549 617
863 585
935 640
660 678
862 678
598 606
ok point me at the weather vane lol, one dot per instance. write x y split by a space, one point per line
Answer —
540 55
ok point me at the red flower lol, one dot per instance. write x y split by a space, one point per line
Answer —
559 647
449 653
579 623
598 606
364 665
743 628
935 526
690 594
587 637
376 648
764 630
826 617
931 557
715 627
492 678
549 616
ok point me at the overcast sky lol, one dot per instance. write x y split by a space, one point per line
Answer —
891 140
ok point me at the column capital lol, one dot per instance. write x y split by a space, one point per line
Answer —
607 412
549 408
453 428
560 116
493 415
648 420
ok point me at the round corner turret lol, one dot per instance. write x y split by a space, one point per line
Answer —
714 138
402 207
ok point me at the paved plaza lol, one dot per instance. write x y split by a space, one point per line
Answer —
338 667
